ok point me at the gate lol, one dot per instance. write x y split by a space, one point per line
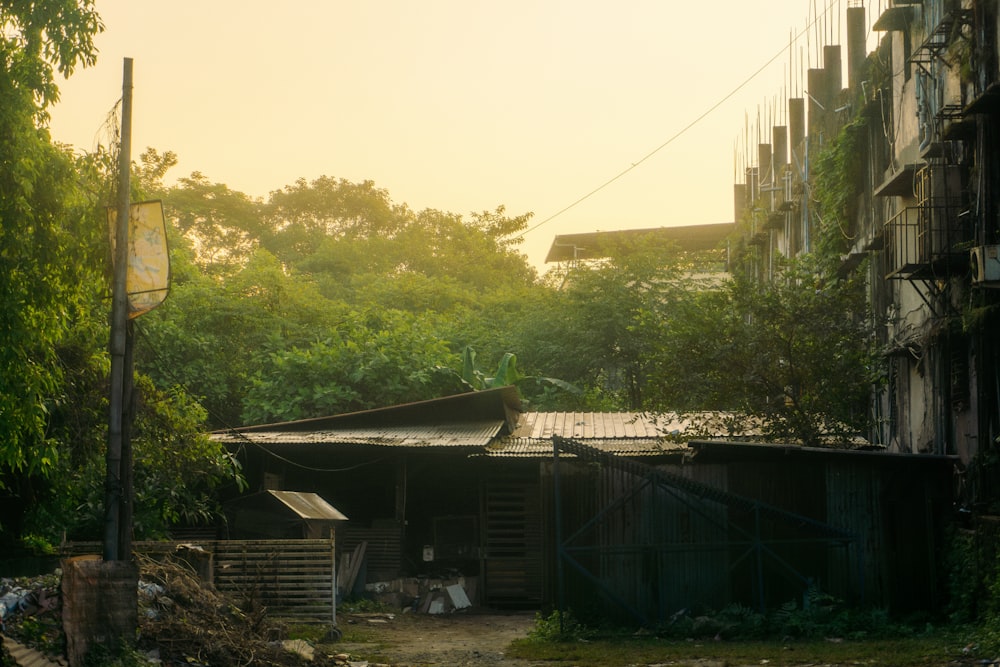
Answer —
664 542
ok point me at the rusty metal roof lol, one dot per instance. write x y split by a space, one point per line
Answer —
308 505
529 448
623 433
472 406
587 425
464 434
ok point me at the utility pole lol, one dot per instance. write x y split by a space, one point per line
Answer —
120 358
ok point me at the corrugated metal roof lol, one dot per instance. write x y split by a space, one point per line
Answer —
587 425
308 505
472 406
623 433
532 448
466 434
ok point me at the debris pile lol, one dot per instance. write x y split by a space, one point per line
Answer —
425 595
182 621
29 612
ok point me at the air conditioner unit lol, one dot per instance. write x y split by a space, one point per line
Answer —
985 260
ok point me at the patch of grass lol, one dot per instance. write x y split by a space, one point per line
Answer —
314 633
822 631
930 650
357 634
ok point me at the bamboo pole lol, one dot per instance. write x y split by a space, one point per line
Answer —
119 322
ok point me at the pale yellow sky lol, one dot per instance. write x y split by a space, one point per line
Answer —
459 105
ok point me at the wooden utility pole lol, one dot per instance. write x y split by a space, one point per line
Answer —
100 598
117 430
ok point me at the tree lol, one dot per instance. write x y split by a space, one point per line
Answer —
599 329
46 222
302 215
223 225
375 360
800 349
214 333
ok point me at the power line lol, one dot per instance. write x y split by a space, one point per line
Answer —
679 133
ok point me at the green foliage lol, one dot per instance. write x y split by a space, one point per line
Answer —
817 616
176 470
371 361
797 349
224 225
43 230
37 545
507 374
837 178
121 654
559 626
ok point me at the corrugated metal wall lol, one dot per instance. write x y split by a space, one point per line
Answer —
853 503
654 550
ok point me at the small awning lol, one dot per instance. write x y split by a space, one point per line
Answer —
894 18
308 505
899 184
988 102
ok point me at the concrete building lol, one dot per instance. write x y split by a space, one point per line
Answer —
917 128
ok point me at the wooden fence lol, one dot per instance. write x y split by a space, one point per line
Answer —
293 579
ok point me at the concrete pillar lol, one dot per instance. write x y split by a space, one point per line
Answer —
797 129
100 605
818 104
779 137
834 73
856 49
739 201
764 172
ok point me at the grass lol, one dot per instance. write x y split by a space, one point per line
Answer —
933 650
819 635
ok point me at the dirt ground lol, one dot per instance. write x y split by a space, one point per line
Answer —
471 638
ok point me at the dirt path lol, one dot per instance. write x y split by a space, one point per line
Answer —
477 639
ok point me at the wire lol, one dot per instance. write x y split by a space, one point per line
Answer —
676 136
162 367
247 440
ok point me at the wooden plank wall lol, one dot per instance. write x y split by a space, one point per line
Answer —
383 553
293 579
512 541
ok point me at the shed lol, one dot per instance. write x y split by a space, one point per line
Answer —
454 483
468 483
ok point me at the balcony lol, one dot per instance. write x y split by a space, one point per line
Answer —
930 240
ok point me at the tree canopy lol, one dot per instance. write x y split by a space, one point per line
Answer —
327 296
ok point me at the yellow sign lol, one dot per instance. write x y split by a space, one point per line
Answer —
148 277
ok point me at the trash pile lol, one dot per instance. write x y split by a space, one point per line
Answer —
29 612
425 595
182 621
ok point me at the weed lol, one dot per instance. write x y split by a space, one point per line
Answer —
559 626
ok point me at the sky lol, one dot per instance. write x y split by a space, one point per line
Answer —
637 108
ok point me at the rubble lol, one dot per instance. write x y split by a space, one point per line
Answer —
425 595
182 621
